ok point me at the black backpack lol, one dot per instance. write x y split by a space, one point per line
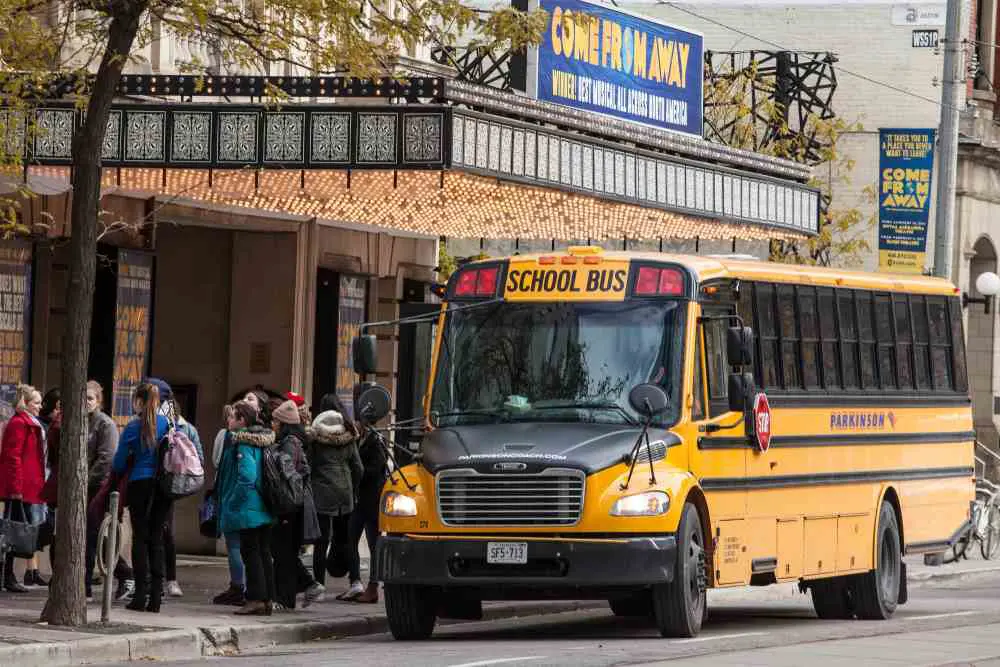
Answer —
283 484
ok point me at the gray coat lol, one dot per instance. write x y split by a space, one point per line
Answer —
102 441
336 466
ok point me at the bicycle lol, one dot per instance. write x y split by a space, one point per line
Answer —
984 525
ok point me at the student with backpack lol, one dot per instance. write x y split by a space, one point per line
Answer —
169 409
239 488
148 505
287 538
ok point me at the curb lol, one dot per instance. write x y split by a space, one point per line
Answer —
196 643
939 572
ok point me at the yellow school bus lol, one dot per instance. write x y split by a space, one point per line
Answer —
640 427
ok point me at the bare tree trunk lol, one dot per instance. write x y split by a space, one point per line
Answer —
66 604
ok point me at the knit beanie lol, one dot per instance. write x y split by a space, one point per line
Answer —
286 413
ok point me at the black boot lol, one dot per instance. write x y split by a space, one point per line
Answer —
138 602
10 582
155 596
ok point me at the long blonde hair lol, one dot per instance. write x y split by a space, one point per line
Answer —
23 396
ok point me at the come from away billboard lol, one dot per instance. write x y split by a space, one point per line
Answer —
906 160
606 61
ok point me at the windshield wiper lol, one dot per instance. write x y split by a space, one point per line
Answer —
478 412
589 405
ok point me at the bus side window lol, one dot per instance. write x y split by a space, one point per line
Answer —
698 385
717 366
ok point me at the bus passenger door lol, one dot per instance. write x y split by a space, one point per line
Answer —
719 458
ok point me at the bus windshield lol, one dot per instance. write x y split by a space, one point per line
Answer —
556 361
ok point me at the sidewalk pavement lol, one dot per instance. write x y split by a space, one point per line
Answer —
191 627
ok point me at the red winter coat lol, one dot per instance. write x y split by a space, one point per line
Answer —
22 459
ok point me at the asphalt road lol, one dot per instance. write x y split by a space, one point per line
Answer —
949 622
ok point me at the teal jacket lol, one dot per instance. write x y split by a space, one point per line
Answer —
237 485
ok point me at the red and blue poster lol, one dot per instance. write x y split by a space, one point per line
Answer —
352 298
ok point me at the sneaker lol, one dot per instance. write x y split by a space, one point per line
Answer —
174 590
315 593
125 590
33 578
352 593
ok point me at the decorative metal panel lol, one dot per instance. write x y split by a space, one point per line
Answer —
457 142
13 128
331 138
518 151
599 171
565 149
237 136
482 144
423 137
191 139
506 149
284 137
112 148
145 136
377 138
588 167
576 164
494 149
630 176
663 173
54 134
530 154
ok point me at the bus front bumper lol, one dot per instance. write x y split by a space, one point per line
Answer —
617 561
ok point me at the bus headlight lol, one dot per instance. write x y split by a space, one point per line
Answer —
650 503
396 504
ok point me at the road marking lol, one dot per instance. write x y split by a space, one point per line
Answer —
954 613
499 661
715 637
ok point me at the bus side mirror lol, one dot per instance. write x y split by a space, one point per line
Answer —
740 390
739 346
365 355
648 399
373 404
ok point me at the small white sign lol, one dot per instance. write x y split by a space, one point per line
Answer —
919 14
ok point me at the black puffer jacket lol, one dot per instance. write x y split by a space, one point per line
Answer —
336 466
375 461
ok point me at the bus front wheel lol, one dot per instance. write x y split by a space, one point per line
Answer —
833 599
411 610
877 592
679 607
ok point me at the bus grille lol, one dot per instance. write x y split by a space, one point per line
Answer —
553 497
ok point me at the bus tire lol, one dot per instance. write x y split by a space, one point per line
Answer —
877 592
411 611
679 607
635 605
833 599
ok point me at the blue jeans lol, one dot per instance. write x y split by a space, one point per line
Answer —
237 575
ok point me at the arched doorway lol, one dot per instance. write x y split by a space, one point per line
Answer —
980 346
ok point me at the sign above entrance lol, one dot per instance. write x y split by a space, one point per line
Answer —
610 62
906 160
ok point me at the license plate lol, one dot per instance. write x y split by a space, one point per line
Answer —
506 553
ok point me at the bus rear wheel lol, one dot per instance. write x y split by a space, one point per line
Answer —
679 607
877 592
411 610
833 599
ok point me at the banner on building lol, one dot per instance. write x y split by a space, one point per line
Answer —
906 160
15 322
611 62
351 300
133 313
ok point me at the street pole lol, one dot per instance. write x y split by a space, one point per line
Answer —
110 558
952 80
